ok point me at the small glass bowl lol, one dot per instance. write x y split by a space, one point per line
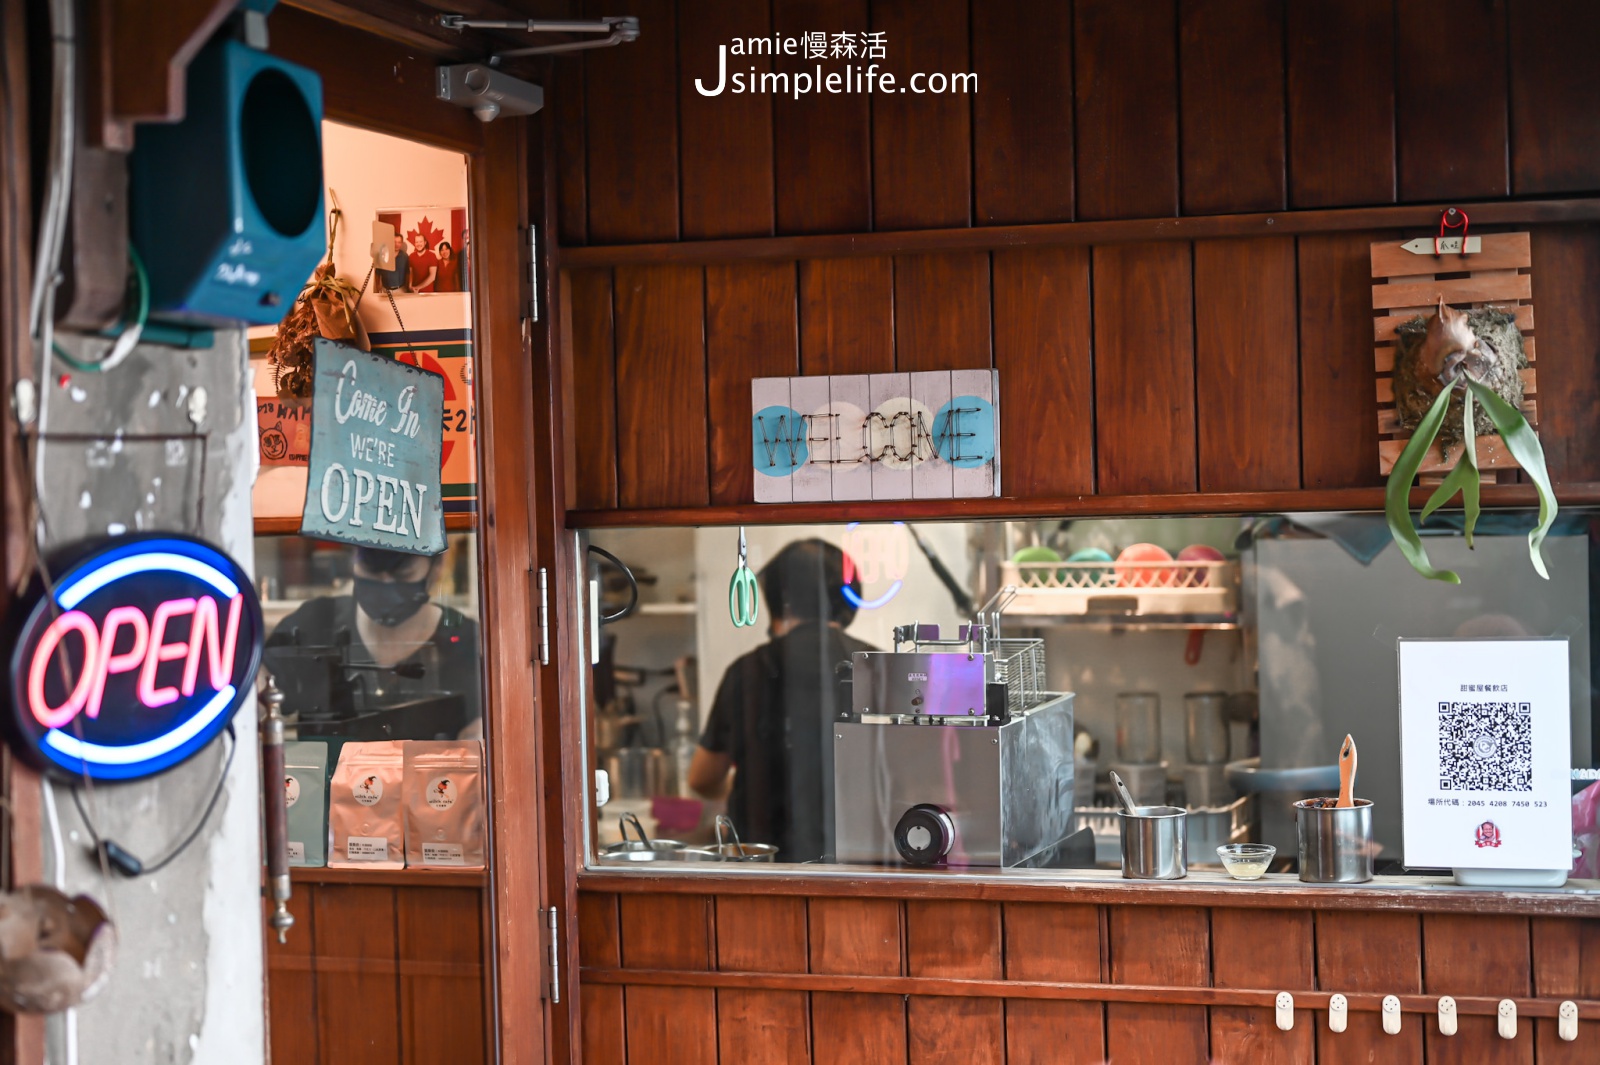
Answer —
1246 861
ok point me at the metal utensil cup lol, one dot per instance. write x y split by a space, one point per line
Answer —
1335 842
643 845
738 851
1155 842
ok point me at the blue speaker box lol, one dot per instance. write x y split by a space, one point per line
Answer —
227 206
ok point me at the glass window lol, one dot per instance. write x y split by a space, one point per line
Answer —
368 644
956 694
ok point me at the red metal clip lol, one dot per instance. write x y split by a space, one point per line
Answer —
1446 222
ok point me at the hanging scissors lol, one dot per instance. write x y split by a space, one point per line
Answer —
742 603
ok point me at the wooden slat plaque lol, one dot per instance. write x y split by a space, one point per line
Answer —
1405 284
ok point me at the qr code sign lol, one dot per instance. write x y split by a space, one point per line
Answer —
1485 747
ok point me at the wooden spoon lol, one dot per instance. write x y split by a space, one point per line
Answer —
1347 773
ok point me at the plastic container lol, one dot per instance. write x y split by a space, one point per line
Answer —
1138 727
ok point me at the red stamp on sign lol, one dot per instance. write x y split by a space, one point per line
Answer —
1487 835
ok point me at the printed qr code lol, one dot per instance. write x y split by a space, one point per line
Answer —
1485 747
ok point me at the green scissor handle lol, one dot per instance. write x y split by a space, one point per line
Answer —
743 604
742 601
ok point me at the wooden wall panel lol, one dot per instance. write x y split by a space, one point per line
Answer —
671 1025
957 939
631 101
1158 945
1044 352
1144 368
1125 58
955 1031
856 937
1338 407
1566 964
1451 112
941 312
1022 112
1377 953
661 386
727 138
1555 125
757 933
1056 943
822 142
1266 949
1477 955
1246 364
1231 62
763 1027
605 1038
599 930
1566 275
751 331
593 426
666 931
292 1019
1047 941
921 142
572 173
846 316
355 951
441 974
1341 103
847 1027
604 1032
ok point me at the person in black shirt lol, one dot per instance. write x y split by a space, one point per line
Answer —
386 662
772 720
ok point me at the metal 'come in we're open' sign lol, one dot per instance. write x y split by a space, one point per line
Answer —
376 440
926 435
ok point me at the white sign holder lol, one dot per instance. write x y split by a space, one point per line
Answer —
1486 755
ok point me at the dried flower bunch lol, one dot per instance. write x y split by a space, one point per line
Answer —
325 308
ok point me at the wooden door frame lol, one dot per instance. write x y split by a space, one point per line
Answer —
376 83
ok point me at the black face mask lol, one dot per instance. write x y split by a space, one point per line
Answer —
390 602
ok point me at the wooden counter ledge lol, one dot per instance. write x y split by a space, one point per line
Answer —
1579 898
390 877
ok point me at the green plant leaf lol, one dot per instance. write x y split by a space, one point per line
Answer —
1397 493
1463 477
1523 443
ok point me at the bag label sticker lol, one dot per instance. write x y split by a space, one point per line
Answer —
442 854
366 849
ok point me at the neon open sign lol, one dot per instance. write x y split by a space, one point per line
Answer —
139 658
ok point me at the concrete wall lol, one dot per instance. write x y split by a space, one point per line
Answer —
174 447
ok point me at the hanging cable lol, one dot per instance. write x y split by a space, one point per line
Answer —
128 864
127 338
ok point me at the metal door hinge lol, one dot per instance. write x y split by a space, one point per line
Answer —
533 274
550 952
544 617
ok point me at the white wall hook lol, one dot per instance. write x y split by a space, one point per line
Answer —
1508 1019
1567 1021
1391 1014
1285 1011
1447 1016
1338 1013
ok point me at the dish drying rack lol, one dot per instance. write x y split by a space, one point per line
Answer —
1198 587
1209 828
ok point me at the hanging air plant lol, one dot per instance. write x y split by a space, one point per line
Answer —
1444 366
